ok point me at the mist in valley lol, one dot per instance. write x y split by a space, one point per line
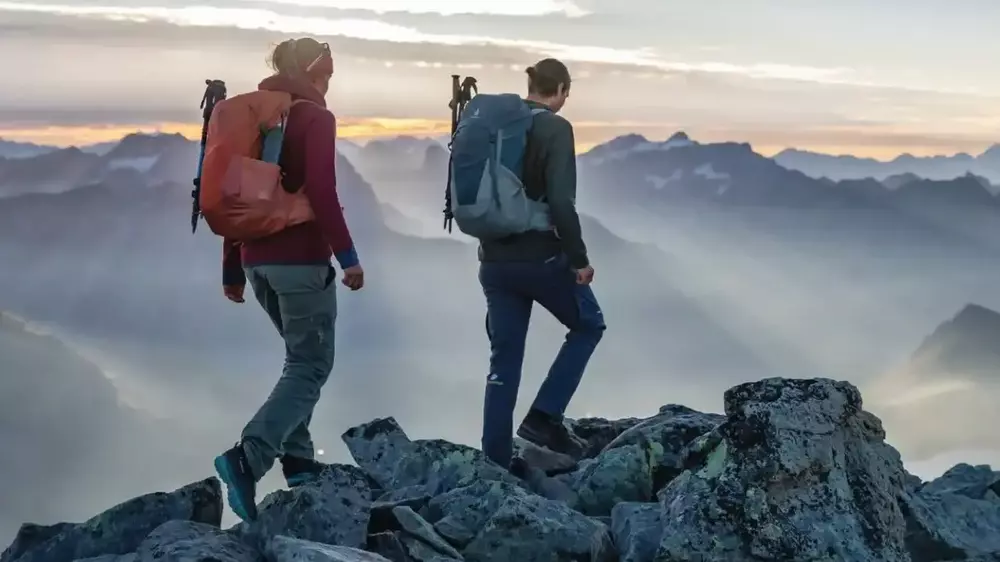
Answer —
697 298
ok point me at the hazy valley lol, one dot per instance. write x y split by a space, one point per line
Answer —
715 265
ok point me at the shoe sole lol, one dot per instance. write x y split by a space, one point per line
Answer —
228 477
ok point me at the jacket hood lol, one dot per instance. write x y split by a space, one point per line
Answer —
298 87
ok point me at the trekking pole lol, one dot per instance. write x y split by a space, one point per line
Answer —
461 94
456 93
215 91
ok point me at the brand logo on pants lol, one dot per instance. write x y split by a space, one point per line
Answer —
493 379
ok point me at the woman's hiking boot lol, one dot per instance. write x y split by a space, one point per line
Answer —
241 486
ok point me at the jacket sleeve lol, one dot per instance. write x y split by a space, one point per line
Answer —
232 263
321 188
560 192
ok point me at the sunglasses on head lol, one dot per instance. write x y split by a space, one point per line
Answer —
324 53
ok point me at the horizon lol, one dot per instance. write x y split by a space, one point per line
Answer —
701 69
192 133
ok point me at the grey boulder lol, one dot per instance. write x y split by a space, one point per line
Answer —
529 528
389 457
669 433
186 541
416 527
621 474
287 549
333 510
460 514
977 482
637 528
799 472
120 529
948 526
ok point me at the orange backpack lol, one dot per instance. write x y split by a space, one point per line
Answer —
240 194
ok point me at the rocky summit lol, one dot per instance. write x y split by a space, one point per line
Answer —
796 470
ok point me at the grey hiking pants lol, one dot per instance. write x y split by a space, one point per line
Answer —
302 302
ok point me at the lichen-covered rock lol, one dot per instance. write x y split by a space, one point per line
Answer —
801 473
669 432
120 529
442 466
333 510
977 482
597 433
288 549
947 526
377 446
185 541
530 528
384 452
636 528
416 527
460 514
622 474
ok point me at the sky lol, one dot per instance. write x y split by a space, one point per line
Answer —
848 76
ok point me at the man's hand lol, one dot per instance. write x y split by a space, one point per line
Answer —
354 277
234 292
585 276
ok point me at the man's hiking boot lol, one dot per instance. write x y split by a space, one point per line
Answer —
549 432
241 487
299 471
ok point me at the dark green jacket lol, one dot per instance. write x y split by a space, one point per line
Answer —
549 172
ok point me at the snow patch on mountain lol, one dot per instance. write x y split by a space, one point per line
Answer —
141 163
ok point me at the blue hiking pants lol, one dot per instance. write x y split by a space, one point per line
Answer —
301 301
511 288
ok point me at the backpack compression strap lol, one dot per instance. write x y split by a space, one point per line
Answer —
215 91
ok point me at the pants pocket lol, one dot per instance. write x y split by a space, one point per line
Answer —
331 275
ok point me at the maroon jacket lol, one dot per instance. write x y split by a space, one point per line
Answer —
308 157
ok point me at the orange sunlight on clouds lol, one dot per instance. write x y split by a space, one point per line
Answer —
80 135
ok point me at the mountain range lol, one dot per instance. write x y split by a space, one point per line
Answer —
683 171
715 265
986 164
115 262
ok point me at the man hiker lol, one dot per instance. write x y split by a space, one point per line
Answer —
292 279
547 265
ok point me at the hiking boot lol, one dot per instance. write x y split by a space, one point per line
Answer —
299 471
241 487
549 432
